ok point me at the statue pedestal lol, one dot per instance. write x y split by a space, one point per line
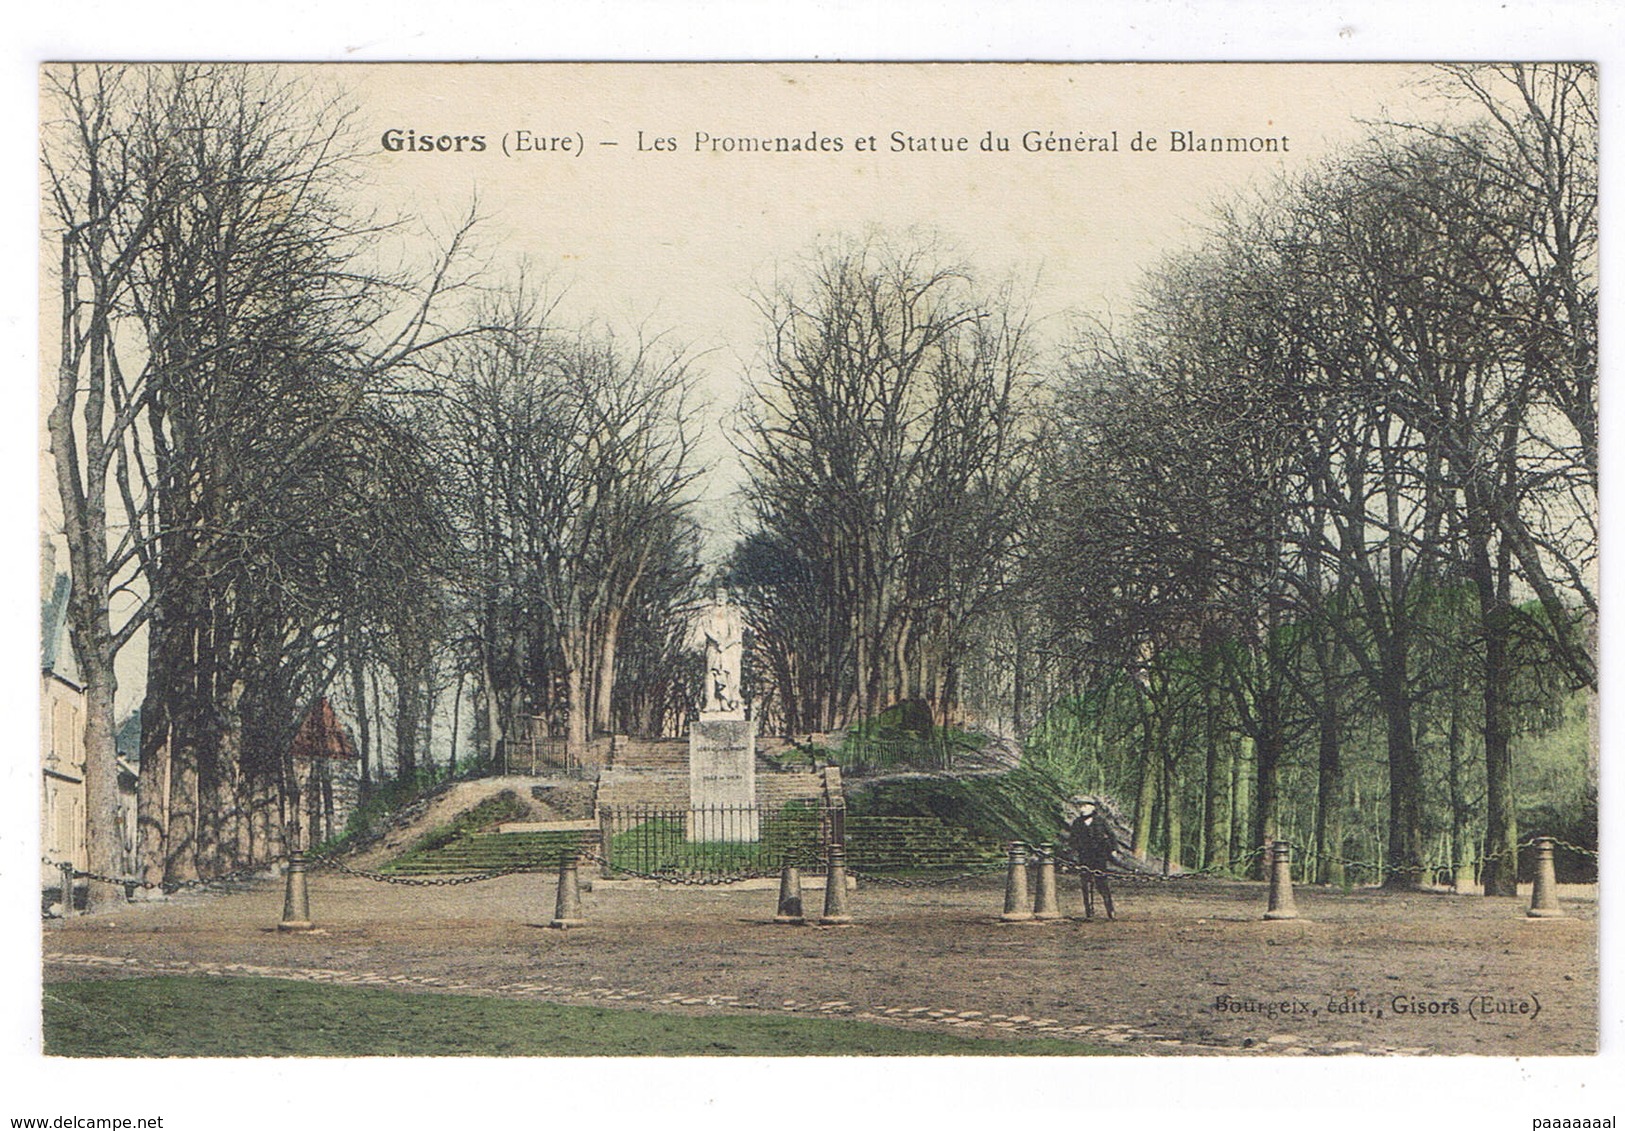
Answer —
722 778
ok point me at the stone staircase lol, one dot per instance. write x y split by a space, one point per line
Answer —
652 789
653 774
620 788
647 773
650 755
642 774
775 789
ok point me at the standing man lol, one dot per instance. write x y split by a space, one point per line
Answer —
1094 844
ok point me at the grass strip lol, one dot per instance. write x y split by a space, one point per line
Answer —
182 1016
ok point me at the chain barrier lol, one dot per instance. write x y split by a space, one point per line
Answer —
169 887
1583 851
1422 869
338 865
313 862
933 882
1073 867
1063 862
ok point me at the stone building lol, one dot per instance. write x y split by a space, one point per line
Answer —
62 750
62 738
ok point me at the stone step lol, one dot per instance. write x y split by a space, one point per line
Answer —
534 851
522 828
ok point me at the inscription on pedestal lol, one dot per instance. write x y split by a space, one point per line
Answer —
722 780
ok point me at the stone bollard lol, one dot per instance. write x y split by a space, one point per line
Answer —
789 895
1045 904
567 909
835 908
66 869
1282 905
296 903
1017 907
1543 904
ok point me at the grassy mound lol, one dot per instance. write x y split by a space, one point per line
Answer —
489 813
1023 804
458 838
385 803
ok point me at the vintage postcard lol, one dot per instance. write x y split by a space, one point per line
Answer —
790 559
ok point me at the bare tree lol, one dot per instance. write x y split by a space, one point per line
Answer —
575 462
222 340
884 442
102 201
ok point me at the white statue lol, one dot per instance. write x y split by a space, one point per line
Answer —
720 630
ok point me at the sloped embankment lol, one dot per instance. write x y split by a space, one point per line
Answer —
455 813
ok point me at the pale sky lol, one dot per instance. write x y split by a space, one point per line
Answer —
631 203
678 239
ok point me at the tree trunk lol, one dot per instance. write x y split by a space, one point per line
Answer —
1216 798
152 807
152 785
1173 849
1404 870
1460 843
1018 687
1501 839
1150 768
228 774
456 720
82 492
378 708
1241 851
1266 809
180 847
102 823
1329 796
358 688
185 815
408 711
1394 690
575 693
325 767
603 721
430 698
493 713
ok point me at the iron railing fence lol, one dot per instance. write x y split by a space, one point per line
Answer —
716 841
724 842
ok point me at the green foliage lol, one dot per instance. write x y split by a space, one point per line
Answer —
505 806
1082 741
912 715
1552 768
916 845
887 842
881 745
1025 804
267 1017
383 799
798 757
1556 789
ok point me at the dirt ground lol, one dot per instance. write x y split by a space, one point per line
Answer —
1188 968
